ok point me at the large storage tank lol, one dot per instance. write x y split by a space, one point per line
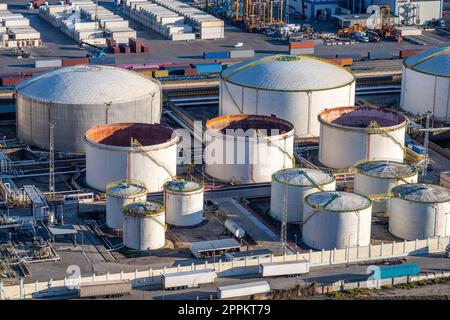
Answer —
248 148
183 200
119 194
295 88
425 83
110 155
299 183
419 211
144 225
79 97
379 177
352 134
336 220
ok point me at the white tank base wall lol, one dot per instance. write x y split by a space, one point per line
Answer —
144 233
114 210
104 166
184 209
339 149
300 108
424 92
328 230
295 197
415 220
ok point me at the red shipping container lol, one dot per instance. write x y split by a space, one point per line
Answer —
145 48
12 81
409 53
74 62
301 45
135 45
124 48
110 42
190 72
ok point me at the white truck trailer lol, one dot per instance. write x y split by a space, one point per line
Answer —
242 289
188 279
284 268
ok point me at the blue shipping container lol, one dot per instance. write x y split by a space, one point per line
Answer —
209 68
396 271
216 55
418 149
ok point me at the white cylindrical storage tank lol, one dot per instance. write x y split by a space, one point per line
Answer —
295 88
379 177
234 228
419 211
79 97
336 220
144 225
299 182
118 195
248 148
183 200
426 83
352 134
110 155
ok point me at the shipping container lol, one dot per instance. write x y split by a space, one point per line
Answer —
242 54
124 48
208 68
145 48
301 51
380 55
160 74
112 288
74 61
47 63
190 72
418 149
386 272
216 55
301 45
409 53
243 289
11 80
188 279
284 268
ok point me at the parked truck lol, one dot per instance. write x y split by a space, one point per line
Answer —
242 289
107 289
284 268
188 279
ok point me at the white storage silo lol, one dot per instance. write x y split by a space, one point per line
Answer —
247 148
352 134
183 200
119 194
299 183
426 83
379 177
336 220
79 97
419 211
135 151
295 88
144 225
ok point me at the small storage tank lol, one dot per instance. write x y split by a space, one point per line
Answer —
299 182
119 194
425 83
419 211
136 151
144 225
379 177
234 228
183 200
295 88
352 134
336 220
247 148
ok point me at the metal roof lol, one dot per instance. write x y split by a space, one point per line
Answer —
87 84
62 230
183 185
421 192
249 253
435 62
303 177
386 169
211 245
288 73
338 201
143 209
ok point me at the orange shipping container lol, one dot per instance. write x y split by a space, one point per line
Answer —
74 62
301 45
346 61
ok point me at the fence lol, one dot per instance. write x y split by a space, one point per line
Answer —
248 266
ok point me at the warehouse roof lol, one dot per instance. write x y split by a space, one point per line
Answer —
421 192
435 62
213 245
87 84
386 169
338 201
288 73
302 177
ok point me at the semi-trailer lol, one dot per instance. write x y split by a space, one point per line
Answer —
106 289
188 279
243 289
284 268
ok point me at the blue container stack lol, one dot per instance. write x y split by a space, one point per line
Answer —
208 68
216 55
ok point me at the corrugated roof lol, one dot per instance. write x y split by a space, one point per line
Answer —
288 73
421 192
338 201
87 84
386 169
435 62
303 177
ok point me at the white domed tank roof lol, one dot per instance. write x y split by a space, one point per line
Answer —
303 177
183 186
144 209
434 62
338 201
421 192
386 169
288 73
87 84
125 189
